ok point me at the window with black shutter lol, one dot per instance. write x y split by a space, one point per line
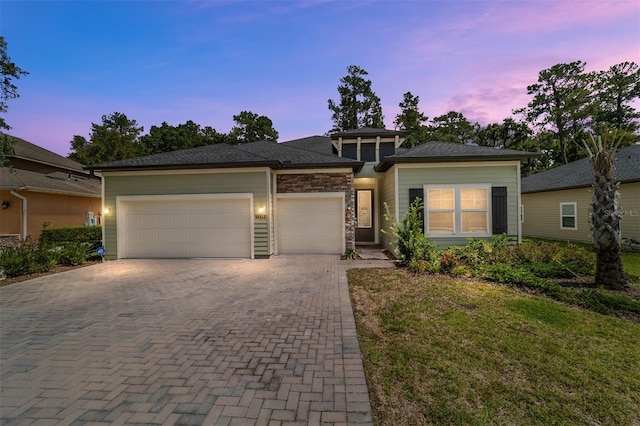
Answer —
417 193
499 218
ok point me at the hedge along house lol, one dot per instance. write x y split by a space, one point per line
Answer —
311 195
556 202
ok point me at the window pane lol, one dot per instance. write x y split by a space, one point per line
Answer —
349 150
441 223
440 199
568 222
568 210
474 222
474 199
368 152
386 149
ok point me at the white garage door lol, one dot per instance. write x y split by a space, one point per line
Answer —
170 228
310 225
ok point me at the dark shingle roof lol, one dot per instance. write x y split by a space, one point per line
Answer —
368 132
579 173
435 152
39 169
321 144
28 151
269 154
56 182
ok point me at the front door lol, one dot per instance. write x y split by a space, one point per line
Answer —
365 231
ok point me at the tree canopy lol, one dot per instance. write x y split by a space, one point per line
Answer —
119 137
116 138
166 138
251 127
358 105
8 90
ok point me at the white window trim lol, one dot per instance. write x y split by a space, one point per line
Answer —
457 210
575 216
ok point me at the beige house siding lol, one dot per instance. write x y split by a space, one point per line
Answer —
182 182
542 213
492 173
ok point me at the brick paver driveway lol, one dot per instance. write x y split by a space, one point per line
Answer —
183 342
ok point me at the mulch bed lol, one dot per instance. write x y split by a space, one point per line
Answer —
55 270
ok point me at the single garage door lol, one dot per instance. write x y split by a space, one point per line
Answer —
184 228
310 225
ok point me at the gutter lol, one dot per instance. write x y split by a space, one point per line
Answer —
24 212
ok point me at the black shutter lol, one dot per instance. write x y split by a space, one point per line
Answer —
499 216
417 193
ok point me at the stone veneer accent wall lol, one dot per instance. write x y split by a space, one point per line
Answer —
325 182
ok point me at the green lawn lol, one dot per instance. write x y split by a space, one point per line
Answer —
448 351
632 266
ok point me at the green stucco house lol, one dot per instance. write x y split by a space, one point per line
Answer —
321 194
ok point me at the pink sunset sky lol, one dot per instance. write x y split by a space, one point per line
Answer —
205 61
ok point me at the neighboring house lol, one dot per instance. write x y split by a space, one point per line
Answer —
311 195
44 188
556 202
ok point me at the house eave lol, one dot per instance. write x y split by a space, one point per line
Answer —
387 163
189 166
275 165
52 191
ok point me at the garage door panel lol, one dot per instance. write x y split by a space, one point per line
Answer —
186 228
310 225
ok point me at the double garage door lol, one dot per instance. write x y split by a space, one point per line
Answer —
153 227
222 226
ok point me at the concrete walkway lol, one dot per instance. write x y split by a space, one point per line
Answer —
190 342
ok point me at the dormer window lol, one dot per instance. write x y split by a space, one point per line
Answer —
368 144
387 149
350 150
368 151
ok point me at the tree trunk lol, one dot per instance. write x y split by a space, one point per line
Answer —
605 223
610 271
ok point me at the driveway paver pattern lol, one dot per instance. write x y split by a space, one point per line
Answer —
198 341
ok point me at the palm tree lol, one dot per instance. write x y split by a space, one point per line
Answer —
605 218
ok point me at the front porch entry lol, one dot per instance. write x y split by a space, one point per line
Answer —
365 216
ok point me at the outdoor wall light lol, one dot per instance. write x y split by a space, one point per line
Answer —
5 205
261 212
106 210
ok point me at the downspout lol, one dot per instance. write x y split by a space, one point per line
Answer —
24 212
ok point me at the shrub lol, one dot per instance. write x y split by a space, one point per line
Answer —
600 301
431 266
459 271
350 253
72 234
505 273
410 242
45 259
73 254
27 258
448 261
15 261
